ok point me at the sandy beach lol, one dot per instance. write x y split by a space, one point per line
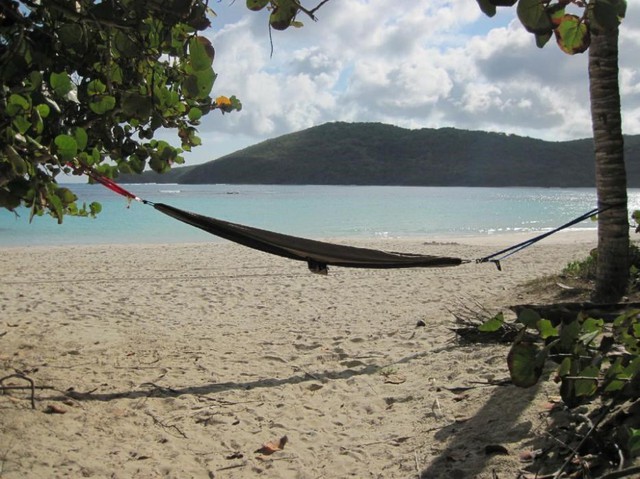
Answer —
195 361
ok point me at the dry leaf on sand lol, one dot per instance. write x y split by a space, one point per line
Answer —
272 446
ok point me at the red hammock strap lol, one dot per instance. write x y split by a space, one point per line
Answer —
108 182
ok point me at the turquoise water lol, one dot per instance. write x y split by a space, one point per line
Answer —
309 211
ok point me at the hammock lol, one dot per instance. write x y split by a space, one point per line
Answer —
317 254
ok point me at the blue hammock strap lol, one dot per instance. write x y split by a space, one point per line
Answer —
511 250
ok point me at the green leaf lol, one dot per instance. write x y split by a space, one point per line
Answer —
282 16
66 195
66 147
493 324
591 325
195 114
534 17
524 364
546 328
124 44
103 104
18 165
43 109
586 387
569 333
8 200
199 84
21 124
95 208
18 101
565 367
529 318
572 35
34 81
488 8
257 5
61 83
81 137
201 54
135 105
72 36
96 87
56 207
543 38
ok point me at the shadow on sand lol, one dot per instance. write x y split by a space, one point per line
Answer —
474 444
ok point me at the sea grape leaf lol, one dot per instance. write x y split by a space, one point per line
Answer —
43 110
72 36
66 195
201 54
81 137
543 38
534 16
18 165
493 324
586 387
257 5
568 335
66 147
96 87
195 114
95 208
529 318
546 328
135 105
19 102
199 84
61 83
525 364
488 8
21 124
124 44
282 16
103 104
572 35
56 207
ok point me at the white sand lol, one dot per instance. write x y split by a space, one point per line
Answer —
181 361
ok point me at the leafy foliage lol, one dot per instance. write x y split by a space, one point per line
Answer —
547 18
596 360
585 269
88 83
283 13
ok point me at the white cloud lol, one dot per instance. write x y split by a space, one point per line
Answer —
436 63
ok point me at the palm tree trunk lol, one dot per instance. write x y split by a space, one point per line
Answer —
611 180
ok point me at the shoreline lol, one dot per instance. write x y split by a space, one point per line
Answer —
493 239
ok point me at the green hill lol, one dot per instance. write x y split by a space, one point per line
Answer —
379 154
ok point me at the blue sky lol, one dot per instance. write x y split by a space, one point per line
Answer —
415 64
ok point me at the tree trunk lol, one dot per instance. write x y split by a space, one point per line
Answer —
611 180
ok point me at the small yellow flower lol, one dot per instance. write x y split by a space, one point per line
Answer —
223 101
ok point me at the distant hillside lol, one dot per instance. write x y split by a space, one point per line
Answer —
378 154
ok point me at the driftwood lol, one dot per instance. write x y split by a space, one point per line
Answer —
566 312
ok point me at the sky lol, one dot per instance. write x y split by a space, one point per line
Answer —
413 64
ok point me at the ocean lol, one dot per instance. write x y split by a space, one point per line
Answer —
320 212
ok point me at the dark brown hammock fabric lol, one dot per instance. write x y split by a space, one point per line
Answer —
317 254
